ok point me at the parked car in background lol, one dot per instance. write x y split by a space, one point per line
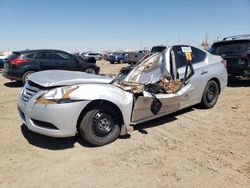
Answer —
160 48
1 62
3 55
106 55
134 57
86 59
117 57
20 64
236 51
122 57
97 56
63 103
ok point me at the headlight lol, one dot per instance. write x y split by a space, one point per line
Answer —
57 95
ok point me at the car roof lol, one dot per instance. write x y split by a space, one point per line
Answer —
230 41
37 50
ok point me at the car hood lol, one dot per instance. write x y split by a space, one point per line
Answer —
53 78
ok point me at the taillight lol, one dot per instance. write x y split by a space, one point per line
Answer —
224 62
18 61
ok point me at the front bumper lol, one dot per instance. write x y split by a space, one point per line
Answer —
55 120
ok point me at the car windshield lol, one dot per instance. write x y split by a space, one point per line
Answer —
149 70
229 47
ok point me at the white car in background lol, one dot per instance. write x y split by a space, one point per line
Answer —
97 56
3 55
64 103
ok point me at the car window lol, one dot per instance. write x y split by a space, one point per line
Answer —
13 55
30 55
44 55
63 56
197 56
230 47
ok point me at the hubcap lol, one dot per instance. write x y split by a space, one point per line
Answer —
102 124
211 92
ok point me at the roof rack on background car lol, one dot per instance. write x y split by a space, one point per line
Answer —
237 37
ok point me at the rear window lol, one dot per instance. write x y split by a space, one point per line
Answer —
13 55
230 47
197 56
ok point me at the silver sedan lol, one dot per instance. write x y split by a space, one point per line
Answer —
64 103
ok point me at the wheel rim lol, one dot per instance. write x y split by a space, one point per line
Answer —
211 93
103 124
27 75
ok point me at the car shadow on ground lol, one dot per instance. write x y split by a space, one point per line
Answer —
13 84
50 142
161 120
234 82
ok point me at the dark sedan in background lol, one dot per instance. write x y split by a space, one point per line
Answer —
19 65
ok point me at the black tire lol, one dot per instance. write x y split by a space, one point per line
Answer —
99 126
90 70
210 95
25 76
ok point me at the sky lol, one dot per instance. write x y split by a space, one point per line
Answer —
98 25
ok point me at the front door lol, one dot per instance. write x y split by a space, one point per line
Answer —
142 110
67 61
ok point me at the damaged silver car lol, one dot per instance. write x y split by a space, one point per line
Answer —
64 103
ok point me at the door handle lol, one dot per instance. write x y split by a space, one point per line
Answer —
203 72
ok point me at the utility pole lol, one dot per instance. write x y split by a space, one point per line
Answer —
204 43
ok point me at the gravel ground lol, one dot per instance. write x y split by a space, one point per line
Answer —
191 148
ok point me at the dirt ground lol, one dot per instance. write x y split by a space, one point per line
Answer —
191 148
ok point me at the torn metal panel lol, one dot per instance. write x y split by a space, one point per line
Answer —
156 74
150 70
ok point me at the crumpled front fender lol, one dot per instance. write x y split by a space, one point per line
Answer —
122 99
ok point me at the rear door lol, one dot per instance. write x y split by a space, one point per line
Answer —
66 60
200 71
47 60
142 110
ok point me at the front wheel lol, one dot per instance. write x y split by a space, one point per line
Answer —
90 70
99 127
210 95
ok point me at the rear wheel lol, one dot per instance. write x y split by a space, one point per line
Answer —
99 126
210 94
26 75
